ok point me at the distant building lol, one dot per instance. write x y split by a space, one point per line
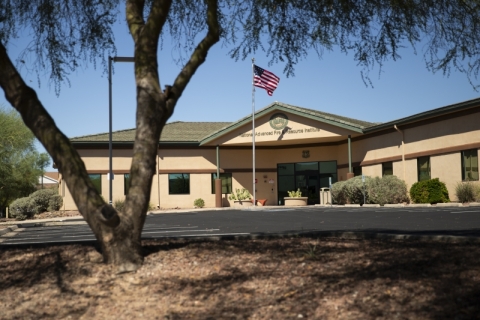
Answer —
295 148
48 180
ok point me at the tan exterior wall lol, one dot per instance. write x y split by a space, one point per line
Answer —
373 170
442 141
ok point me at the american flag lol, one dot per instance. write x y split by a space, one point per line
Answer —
265 79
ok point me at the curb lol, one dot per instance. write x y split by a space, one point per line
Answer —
8 229
345 235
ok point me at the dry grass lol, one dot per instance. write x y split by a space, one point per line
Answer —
247 279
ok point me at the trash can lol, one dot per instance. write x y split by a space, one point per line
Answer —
325 196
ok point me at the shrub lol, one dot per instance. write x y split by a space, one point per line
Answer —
22 208
467 191
55 203
388 189
41 199
242 194
295 194
199 203
429 191
338 192
119 205
354 189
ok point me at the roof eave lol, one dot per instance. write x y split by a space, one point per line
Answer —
270 108
425 115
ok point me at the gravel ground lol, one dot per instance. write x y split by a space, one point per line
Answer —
247 279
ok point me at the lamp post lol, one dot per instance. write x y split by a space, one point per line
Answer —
110 174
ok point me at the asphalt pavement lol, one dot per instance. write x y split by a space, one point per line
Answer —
437 223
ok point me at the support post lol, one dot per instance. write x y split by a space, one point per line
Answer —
350 173
110 174
218 183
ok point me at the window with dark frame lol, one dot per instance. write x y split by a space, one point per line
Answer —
470 165
387 168
179 183
226 182
423 168
126 183
97 181
357 171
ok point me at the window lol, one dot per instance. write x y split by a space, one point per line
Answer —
470 165
126 183
226 182
327 170
387 168
179 183
357 171
423 167
97 181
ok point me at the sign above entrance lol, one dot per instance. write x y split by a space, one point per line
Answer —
278 121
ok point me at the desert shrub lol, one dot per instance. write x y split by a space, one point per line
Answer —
41 199
354 189
295 194
242 194
388 189
119 204
467 191
429 191
55 203
22 208
199 203
338 192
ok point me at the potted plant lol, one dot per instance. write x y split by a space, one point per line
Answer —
241 197
295 199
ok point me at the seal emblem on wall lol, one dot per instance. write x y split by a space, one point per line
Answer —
278 121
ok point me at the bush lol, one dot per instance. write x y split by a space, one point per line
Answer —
199 203
338 192
242 194
295 194
354 189
41 199
55 203
429 191
388 189
467 191
22 208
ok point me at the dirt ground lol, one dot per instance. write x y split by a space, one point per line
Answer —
298 278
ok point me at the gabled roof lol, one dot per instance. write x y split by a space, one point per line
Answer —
332 119
172 132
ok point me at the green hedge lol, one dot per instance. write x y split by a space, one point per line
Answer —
429 191
38 202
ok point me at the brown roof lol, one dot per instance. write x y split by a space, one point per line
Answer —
53 175
178 131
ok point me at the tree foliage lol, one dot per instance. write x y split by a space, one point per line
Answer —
66 34
20 163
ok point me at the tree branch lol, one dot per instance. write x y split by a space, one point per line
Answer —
198 56
70 165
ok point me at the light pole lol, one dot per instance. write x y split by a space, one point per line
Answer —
110 174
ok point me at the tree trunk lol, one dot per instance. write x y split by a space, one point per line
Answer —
117 233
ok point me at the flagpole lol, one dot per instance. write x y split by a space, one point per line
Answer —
253 130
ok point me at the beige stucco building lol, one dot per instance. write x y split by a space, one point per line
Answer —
294 148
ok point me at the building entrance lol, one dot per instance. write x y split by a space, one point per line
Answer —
309 177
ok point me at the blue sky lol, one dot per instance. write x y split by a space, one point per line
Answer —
221 89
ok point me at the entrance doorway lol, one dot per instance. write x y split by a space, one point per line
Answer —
309 177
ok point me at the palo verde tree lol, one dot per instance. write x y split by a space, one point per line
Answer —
69 33
20 164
